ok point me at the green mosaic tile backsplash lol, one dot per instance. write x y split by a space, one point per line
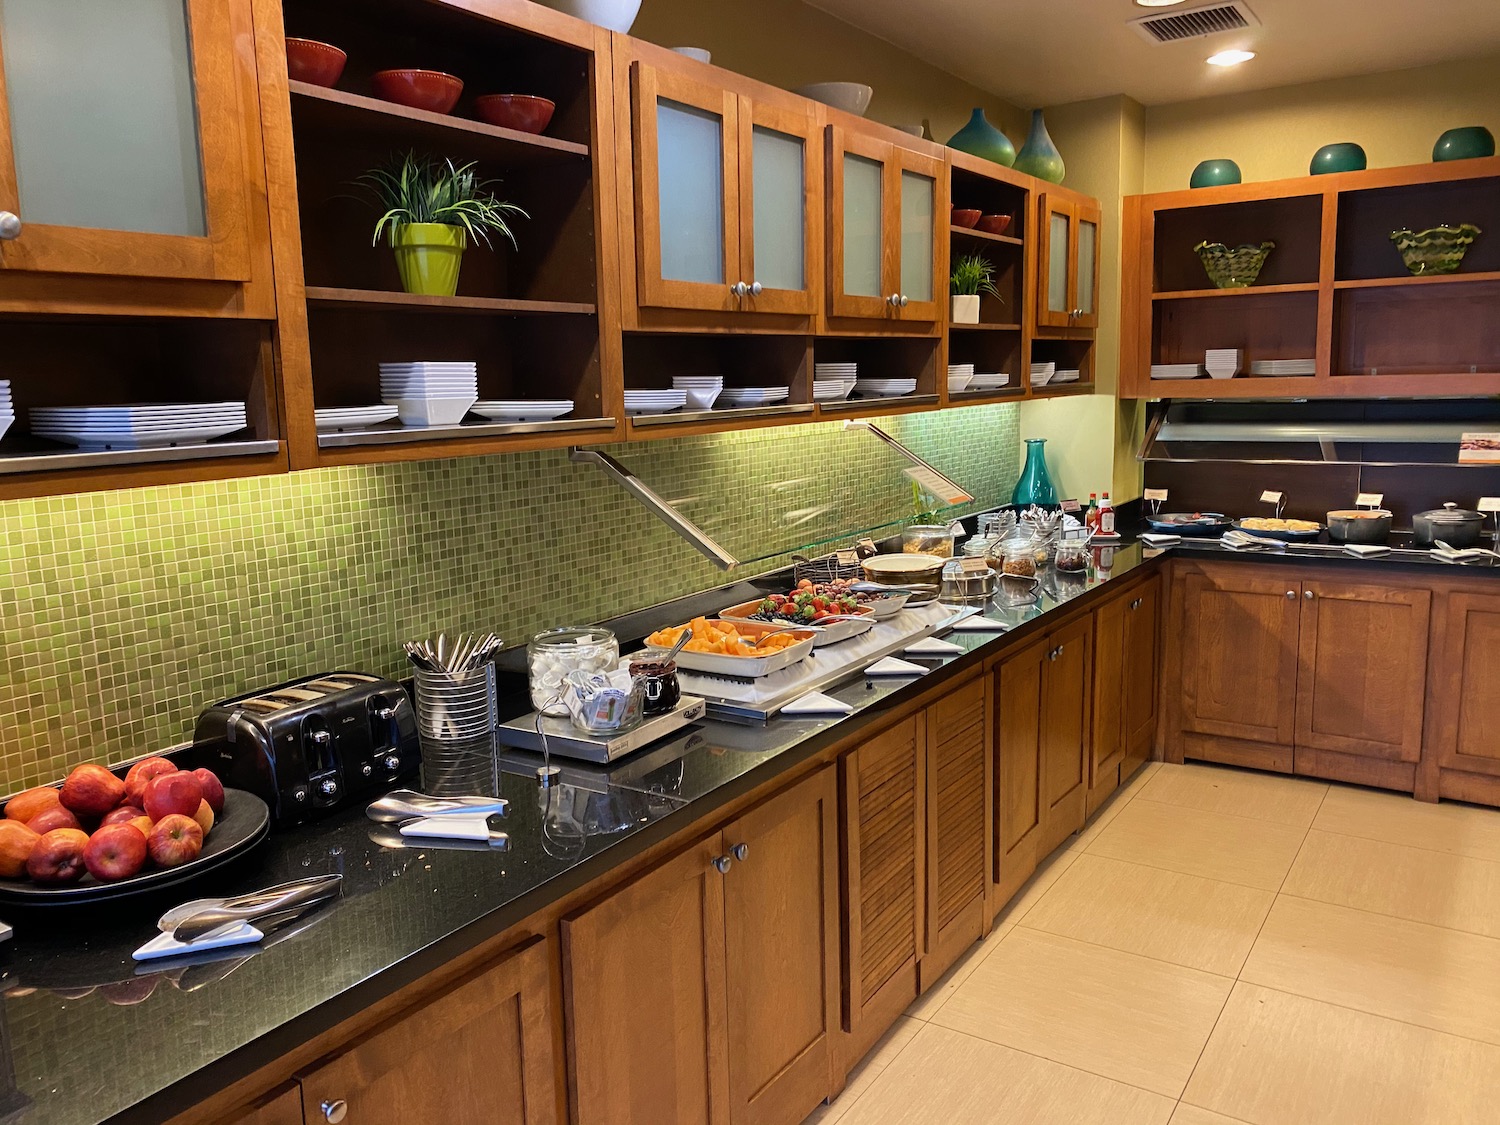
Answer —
122 614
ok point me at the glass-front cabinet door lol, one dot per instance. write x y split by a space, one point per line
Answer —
920 291
862 255
1086 267
780 224
122 139
687 187
1055 261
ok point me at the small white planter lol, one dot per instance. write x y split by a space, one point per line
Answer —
966 309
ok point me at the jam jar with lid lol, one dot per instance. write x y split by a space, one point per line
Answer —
658 679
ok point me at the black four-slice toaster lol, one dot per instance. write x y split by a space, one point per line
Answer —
312 745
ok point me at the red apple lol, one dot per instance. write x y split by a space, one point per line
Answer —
25 806
175 840
116 851
172 793
213 789
52 818
92 790
57 858
204 817
140 774
122 815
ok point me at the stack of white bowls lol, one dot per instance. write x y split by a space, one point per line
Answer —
990 382
7 407
701 390
1223 363
960 375
884 388
430 393
654 402
833 381
1041 373
755 396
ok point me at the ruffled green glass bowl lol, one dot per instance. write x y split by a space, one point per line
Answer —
1233 267
1439 250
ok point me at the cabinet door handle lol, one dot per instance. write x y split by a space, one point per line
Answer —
1308 594
739 289
1291 593
10 225
740 851
756 289
905 300
1136 604
721 864
335 1111
894 300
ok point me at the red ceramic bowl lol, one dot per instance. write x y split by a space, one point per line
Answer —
318 64
431 90
995 224
524 112
965 219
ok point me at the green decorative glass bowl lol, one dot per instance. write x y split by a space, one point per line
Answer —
1438 250
1234 267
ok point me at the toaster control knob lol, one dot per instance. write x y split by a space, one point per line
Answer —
392 763
386 713
329 787
367 769
299 794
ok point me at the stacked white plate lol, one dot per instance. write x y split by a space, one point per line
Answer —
1041 373
831 371
1067 375
702 390
7 407
982 382
884 388
1222 363
1284 367
430 394
144 426
523 409
654 402
1175 370
832 390
754 396
352 417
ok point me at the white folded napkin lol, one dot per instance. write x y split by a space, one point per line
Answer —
891 666
816 703
932 646
165 945
1366 550
1160 539
980 625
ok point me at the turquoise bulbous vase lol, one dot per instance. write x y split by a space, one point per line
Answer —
1467 143
1039 156
980 138
1035 485
1346 156
1215 173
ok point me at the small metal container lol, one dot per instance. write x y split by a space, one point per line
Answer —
959 588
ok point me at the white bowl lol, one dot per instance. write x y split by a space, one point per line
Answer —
433 411
616 15
703 398
957 383
851 97
913 130
695 53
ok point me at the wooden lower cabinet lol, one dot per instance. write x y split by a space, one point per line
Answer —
706 990
1126 683
281 1108
480 1053
1067 702
1462 759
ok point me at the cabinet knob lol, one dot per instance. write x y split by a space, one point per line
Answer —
10 225
335 1111
721 864
1136 604
756 289
739 289
894 300
905 300
1291 593
740 851
1308 594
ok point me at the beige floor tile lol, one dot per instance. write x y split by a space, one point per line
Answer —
1222 789
1234 849
1277 1059
1185 919
1439 978
1031 893
1111 808
945 1078
1186 1114
891 1044
1397 819
936 996
1405 882
1125 1017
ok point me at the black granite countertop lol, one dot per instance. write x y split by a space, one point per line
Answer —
90 1037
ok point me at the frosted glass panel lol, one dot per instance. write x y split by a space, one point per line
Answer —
1057 264
690 171
102 114
862 228
1088 237
918 201
780 241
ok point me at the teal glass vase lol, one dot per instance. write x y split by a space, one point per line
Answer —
1467 143
1035 485
980 138
1039 156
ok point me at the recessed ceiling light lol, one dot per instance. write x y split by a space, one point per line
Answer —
1158 3
1230 58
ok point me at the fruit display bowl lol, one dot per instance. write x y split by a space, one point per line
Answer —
1233 267
317 64
245 822
995 224
525 113
965 217
1438 250
431 90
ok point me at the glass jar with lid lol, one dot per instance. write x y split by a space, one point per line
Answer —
928 539
552 654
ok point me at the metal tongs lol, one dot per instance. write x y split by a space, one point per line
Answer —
400 805
1243 541
275 905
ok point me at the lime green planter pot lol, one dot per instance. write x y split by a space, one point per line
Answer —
428 256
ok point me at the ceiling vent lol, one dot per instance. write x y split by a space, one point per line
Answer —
1195 23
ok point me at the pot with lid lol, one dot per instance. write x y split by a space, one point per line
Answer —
1455 526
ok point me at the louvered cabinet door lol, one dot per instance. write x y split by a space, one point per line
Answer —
884 795
958 828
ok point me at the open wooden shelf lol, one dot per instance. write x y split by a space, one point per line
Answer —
982 327
391 301
1195 294
986 398
985 236
1424 279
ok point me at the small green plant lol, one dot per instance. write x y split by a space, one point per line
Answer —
973 276
922 506
424 189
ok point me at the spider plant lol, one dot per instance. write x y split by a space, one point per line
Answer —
973 276
424 189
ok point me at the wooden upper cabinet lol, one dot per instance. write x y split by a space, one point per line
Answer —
958 825
1067 263
883 246
481 1051
1362 670
781 223
1465 722
131 158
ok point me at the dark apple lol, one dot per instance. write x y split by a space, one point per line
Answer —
140 774
213 789
171 793
115 852
122 815
49 819
175 840
57 858
92 790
